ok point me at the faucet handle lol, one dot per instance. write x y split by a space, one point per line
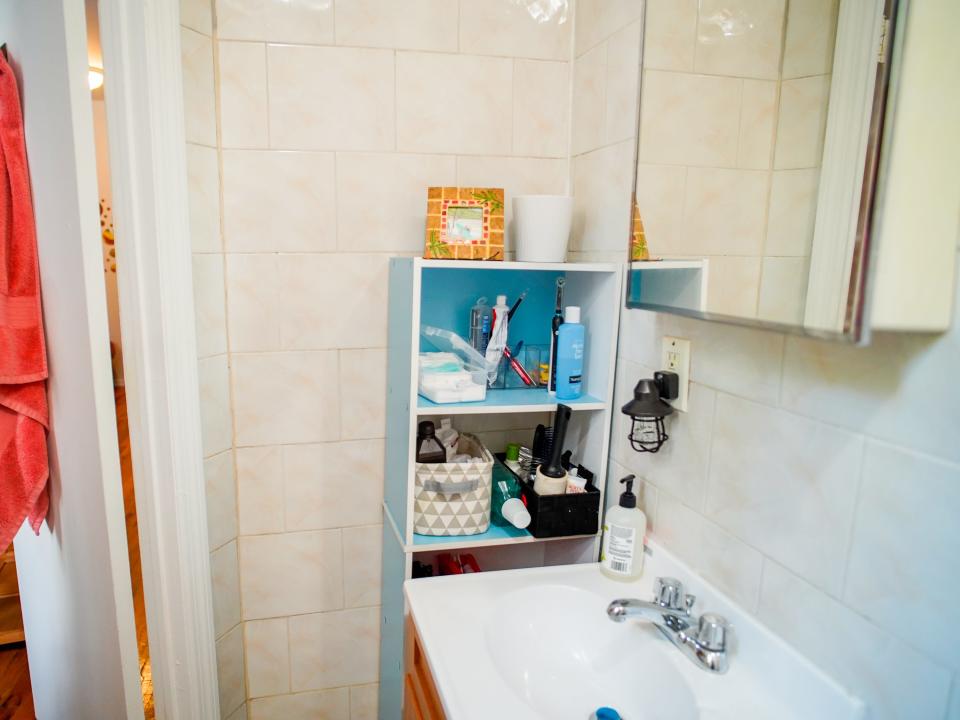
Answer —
668 593
712 632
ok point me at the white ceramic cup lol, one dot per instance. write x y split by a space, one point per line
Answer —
541 227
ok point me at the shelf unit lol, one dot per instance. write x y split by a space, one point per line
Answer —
440 293
681 282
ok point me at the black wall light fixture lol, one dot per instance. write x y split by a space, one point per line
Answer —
648 409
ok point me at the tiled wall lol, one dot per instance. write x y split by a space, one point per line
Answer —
819 485
604 115
731 133
197 44
331 119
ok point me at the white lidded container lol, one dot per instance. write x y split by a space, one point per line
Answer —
541 227
624 526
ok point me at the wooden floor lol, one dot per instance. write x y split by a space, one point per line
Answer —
16 699
133 549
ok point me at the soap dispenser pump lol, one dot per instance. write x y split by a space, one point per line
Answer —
623 529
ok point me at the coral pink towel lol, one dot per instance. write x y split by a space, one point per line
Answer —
23 355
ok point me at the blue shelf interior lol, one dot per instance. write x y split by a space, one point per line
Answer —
536 398
448 294
496 532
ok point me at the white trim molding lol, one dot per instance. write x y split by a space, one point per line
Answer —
141 48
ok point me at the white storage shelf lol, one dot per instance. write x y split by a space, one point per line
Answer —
673 283
440 293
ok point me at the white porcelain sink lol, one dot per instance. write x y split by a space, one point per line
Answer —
590 663
529 644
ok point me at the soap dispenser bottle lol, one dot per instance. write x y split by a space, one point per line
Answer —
623 529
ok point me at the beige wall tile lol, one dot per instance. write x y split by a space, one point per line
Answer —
209 305
268 657
334 649
802 122
670 34
679 528
291 573
203 189
412 25
199 101
734 285
333 484
541 108
221 496
361 565
660 193
517 176
253 302
502 27
601 198
599 19
382 199
239 714
243 95
811 30
363 702
785 485
783 289
792 213
259 490
872 390
325 704
318 315
623 70
327 98
733 566
891 677
216 423
744 40
757 124
195 14
589 100
278 201
230 671
286 397
454 104
689 119
290 21
724 212
905 535
225 584
363 393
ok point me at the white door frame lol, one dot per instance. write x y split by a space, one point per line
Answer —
144 102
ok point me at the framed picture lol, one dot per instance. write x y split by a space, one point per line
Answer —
464 223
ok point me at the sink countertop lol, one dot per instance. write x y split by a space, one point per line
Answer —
536 643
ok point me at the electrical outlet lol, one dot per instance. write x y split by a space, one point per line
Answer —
676 359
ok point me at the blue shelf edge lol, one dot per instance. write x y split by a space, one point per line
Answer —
535 398
496 532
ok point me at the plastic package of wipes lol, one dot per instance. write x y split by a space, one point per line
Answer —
455 373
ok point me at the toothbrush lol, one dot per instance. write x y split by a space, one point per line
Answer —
555 326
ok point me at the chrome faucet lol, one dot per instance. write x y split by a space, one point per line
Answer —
702 639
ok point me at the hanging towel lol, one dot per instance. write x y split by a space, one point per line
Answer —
23 357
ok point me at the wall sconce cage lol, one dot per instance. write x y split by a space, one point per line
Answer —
647 410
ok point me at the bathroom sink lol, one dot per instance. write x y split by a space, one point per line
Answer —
564 658
537 643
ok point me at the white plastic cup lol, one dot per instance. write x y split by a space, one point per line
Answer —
541 227
515 513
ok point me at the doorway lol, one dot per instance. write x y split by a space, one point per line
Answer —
16 697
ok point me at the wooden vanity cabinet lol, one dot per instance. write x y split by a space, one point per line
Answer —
420 698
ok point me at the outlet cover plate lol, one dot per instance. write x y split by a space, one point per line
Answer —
676 358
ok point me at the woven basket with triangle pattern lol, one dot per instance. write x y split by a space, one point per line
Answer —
454 498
